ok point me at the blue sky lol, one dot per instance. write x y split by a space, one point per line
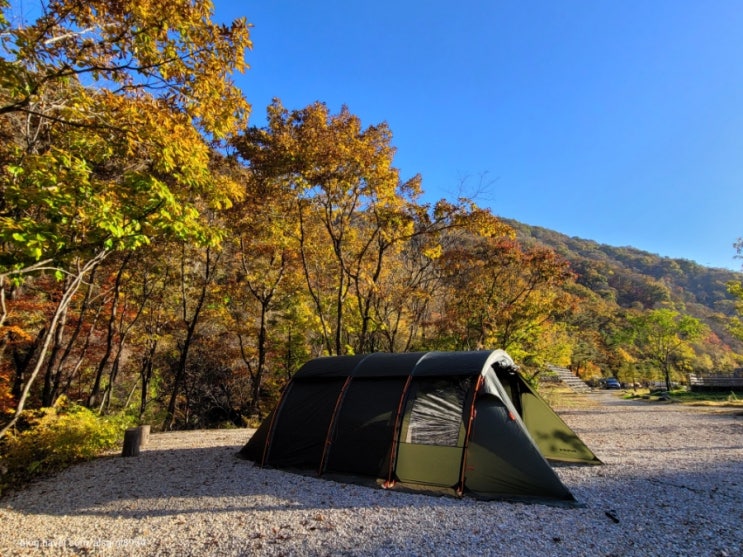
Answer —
620 122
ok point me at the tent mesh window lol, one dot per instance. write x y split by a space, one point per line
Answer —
436 415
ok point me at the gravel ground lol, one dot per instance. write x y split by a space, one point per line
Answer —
672 484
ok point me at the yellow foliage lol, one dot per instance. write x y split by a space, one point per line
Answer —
590 371
7 402
625 356
55 437
432 252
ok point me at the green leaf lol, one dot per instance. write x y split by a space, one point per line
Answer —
15 171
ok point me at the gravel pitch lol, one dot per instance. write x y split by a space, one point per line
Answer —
672 484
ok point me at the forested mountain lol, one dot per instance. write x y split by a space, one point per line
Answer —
633 277
688 280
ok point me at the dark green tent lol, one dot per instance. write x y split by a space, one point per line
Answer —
464 422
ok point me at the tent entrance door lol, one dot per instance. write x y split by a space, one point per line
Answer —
428 464
432 441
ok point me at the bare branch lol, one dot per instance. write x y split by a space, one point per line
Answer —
67 36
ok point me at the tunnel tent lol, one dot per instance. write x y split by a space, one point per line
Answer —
445 422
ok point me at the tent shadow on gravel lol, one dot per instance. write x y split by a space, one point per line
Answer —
160 483
182 481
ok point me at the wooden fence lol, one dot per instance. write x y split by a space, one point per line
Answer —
715 382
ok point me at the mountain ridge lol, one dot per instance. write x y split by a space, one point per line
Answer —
633 277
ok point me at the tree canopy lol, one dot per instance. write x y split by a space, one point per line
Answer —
106 111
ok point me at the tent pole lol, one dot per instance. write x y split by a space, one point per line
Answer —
331 426
470 422
396 434
269 434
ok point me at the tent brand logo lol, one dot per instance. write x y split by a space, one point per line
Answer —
445 422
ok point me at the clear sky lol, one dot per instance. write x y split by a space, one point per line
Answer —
619 122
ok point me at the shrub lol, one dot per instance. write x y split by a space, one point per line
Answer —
51 439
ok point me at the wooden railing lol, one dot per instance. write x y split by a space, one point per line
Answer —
715 382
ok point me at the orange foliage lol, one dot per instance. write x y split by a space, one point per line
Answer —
7 401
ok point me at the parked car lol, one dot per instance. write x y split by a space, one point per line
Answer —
612 383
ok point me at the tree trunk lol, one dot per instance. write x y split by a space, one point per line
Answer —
180 372
146 374
257 377
61 308
57 381
49 375
111 332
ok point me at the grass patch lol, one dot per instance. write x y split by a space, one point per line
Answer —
712 398
725 399
559 396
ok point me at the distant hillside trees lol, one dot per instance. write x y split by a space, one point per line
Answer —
637 282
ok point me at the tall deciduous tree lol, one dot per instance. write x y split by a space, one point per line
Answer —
350 201
735 324
197 274
664 337
356 219
265 273
735 288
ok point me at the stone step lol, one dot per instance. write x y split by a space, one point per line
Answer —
570 379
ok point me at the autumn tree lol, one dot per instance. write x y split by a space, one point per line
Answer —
406 296
350 205
735 288
357 221
107 93
264 276
594 321
105 112
409 289
735 324
153 282
664 338
197 273
499 293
